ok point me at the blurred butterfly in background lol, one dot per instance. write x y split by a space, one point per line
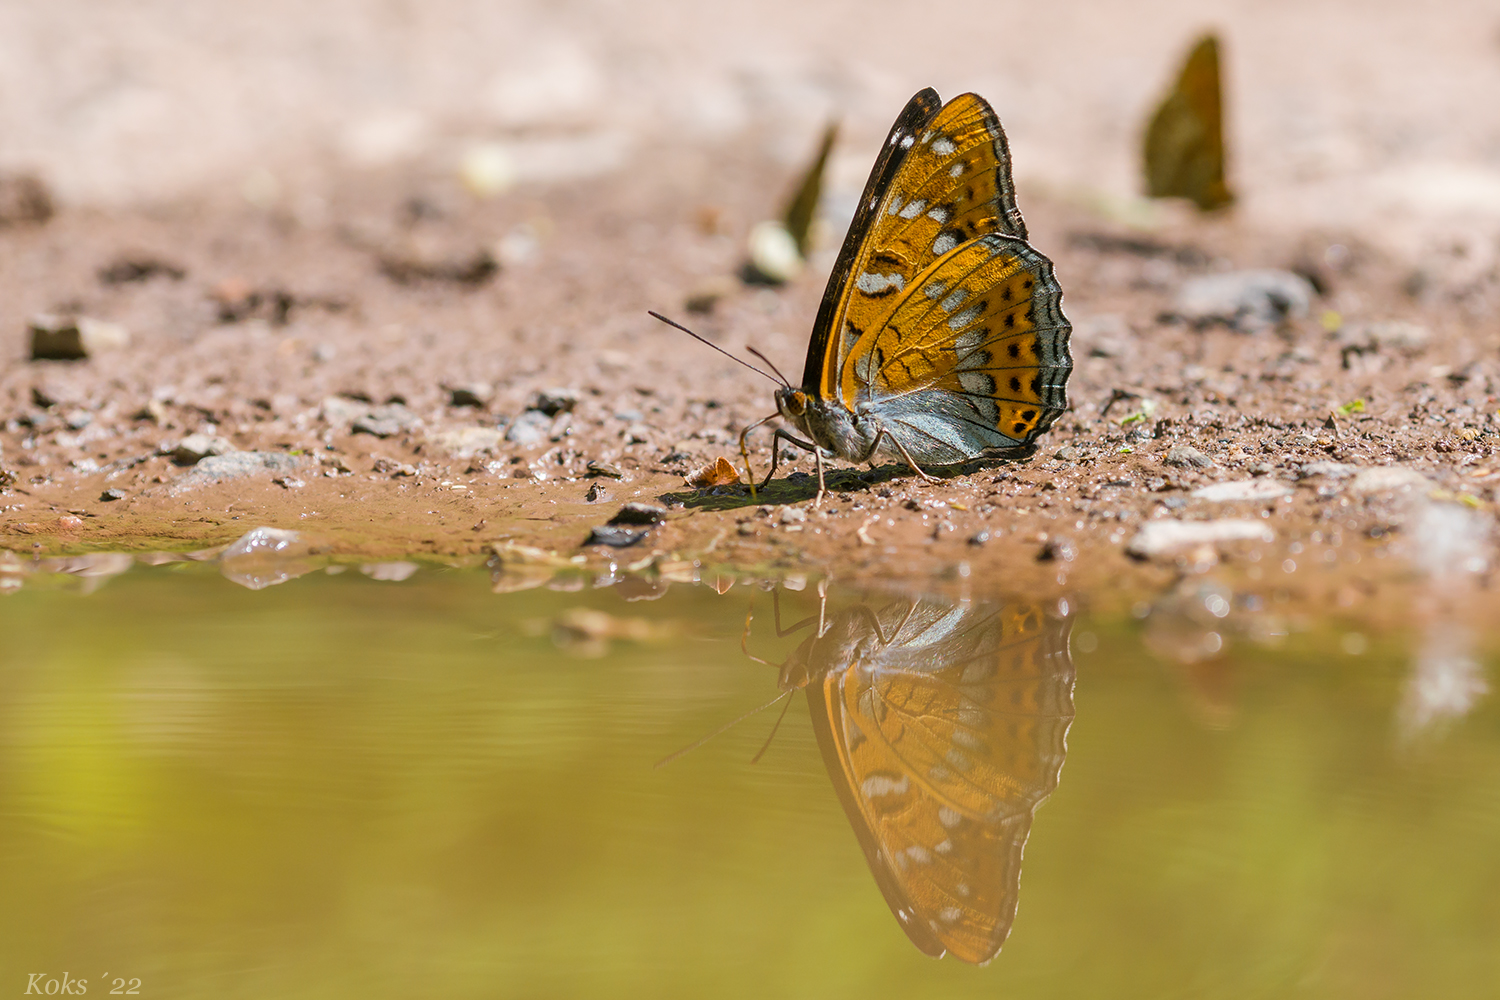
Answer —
940 337
943 728
1184 147
779 249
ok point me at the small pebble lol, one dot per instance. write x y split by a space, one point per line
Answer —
636 512
774 257
1328 470
1388 479
1187 457
1058 549
237 465
615 537
195 447
24 198
979 537
1156 538
1245 489
597 468
555 401
470 394
108 495
1247 301
530 428
63 338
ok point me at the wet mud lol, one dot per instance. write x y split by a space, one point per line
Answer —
389 381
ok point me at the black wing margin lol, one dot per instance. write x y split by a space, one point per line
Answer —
921 109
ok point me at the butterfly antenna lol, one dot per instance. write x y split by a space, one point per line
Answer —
710 343
770 363
767 744
722 729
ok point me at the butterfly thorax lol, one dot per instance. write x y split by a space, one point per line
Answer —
831 426
847 642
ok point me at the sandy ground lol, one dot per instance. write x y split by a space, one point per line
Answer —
304 276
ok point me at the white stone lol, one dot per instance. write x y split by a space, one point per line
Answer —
1158 538
1244 489
1388 479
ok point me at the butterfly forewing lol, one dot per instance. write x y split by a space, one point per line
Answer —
942 741
943 179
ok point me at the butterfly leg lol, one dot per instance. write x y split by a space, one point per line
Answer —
822 487
745 453
776 439
884 433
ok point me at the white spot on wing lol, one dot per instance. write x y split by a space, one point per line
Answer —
919 854
948 817
946 241
960 760
880 784
933 289
943 146
895 207
955 300
957 170
907 140
960 320
872 284
913 209
938 215
943 847
964 738
967 341
949 914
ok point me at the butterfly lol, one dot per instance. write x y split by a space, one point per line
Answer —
940 337
1184 146
943 728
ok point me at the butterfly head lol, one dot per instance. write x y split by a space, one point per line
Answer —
796 672
792 403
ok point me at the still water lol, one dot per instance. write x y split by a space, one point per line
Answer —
398 783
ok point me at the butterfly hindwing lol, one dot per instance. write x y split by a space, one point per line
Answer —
943 179
942 741
973 356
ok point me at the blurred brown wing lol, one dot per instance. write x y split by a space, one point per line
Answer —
942 179
1184 147
941 744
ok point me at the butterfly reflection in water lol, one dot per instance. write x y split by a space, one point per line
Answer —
943 727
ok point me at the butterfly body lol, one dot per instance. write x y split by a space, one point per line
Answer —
940 337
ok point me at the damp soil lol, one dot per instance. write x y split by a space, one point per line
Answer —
424 391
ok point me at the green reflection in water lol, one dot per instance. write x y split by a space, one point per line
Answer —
338 787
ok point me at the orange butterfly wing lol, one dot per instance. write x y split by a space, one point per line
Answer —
983 327
942 741
943 178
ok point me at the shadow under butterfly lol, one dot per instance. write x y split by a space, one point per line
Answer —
943 727
1184 142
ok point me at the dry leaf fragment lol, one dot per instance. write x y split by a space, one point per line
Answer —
720 473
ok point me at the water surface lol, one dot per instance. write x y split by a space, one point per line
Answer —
346 786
